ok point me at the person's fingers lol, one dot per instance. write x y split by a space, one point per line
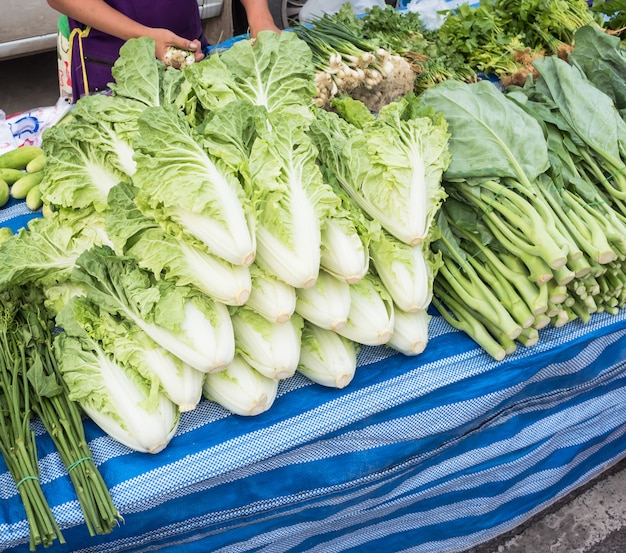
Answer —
196 48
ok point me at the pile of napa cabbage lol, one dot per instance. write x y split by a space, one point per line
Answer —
211 232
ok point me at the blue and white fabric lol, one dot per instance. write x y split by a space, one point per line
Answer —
437 452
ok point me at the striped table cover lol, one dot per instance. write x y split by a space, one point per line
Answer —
433 453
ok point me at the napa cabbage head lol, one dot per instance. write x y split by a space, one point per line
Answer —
274 71
129 408
184 321
187 189
180 258
130 346
290 198
46 251
91 151
391 165
241 389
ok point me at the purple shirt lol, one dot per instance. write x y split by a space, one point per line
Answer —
101 50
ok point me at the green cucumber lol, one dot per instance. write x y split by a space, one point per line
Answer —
36 164
10 175
4 192
20 188
33 198
20 157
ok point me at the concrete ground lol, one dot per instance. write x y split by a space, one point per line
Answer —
592 519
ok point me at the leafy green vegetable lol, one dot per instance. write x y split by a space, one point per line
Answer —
195 193
325 304
274 71
187 323
371 316
391 166
45 252
91 153
241 389
127 407
129 345
602 59
410 331
182 259
406 271
271 348
614 14
270 296
290 199
326 357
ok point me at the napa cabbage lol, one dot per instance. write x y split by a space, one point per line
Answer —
187 323
290 198
182 259
241 389
390 165
129 408
187 189
129 345
327 358
271 348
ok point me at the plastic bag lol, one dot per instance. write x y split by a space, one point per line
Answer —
317 8
428 9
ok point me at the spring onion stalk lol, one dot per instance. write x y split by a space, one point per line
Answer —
344 60
241 389
327 358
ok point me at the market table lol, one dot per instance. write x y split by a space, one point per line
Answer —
437 452
433 453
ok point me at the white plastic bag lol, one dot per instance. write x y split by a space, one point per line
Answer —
317 8
427 10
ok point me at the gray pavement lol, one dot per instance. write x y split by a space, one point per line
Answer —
592 519
28 83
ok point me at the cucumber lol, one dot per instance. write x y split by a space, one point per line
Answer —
33 198
20 188
10 175
4 192
20 157
36 164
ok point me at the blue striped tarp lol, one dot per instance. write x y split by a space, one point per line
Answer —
433 453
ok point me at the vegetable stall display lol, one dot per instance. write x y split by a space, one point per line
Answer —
213 230
175 213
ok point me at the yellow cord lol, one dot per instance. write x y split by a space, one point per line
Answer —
81 33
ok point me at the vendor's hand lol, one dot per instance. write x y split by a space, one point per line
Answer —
165 39
259 25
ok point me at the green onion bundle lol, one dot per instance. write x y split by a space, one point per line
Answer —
17 439
32 386
345 61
